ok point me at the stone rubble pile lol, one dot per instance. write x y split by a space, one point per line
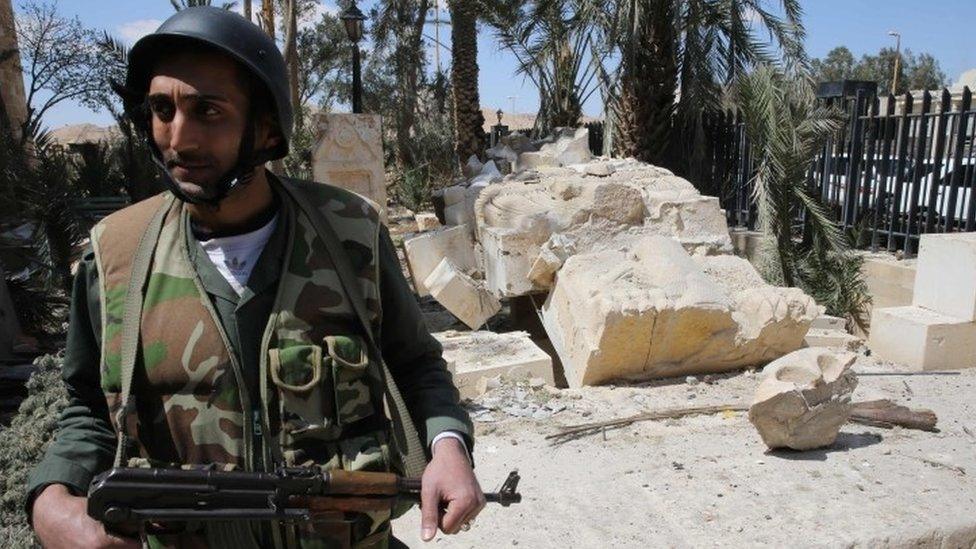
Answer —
634 265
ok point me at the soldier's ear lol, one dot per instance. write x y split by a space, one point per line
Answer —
268 135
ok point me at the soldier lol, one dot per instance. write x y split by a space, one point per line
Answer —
244 319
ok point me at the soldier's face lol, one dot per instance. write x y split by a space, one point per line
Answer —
199 107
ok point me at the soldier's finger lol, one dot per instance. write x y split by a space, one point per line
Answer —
120 542
456 514
429 511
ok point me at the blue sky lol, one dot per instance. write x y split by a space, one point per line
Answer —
940 27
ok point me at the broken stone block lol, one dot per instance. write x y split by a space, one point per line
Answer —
818 337
599 169
518 142
533 160
466 298
425 252
827 322
454 194
571 148
945 281
480 357
922 339
509 255
644 308
804 398
502 151
426 221
473 166
568 147
488 174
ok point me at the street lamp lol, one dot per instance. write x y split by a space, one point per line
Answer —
894 78
353 20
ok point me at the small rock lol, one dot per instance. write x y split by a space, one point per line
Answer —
804 398
537 383
426 221
691 380
678 466
600 169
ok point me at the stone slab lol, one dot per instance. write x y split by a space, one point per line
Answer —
425 252
349 154
946 278
481 355
922 339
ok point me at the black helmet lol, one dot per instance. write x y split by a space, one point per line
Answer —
228 33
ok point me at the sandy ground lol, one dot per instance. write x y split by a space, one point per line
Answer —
709 480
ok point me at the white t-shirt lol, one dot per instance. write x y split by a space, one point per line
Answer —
235 256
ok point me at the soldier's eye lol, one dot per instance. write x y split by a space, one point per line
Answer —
207 110
163 109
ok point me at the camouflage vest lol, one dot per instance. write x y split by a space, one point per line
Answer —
322 390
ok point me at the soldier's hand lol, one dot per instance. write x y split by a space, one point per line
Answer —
61 520
449 484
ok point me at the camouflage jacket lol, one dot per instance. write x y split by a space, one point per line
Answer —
220 356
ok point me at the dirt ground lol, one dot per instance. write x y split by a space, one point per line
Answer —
709 480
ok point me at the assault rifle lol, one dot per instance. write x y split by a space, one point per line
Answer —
123 497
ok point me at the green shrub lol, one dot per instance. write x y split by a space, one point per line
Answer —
22 446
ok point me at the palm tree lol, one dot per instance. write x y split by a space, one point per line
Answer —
679 57
468 120
649 72
785 128
554 44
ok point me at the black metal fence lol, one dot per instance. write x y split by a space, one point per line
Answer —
899 167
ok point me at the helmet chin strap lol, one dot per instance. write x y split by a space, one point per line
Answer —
238 176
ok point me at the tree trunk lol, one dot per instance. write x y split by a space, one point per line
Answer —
247 9
267 17
468 120
291 58
408 59
648 84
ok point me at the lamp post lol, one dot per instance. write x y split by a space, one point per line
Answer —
353 20
894 78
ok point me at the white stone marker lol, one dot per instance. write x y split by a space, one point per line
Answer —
349 154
